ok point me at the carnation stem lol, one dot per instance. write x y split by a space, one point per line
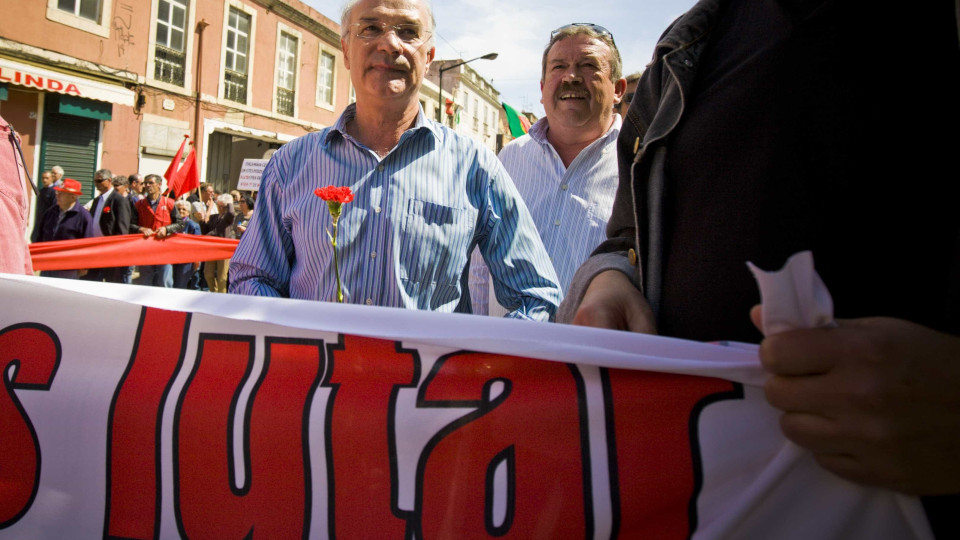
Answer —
336 261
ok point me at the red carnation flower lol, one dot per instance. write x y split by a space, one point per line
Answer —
335 197
334 194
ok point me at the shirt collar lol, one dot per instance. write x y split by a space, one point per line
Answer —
339 128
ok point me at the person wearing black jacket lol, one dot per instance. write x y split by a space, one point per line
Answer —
113 216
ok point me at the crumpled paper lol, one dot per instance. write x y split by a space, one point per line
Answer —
793 297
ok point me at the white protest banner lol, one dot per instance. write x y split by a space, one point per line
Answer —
139 412
250 173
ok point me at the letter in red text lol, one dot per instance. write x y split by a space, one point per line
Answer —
654 452
32 351
528 424
133 452
273 498
365 375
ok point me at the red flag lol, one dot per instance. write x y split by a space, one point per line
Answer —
187 178
175 164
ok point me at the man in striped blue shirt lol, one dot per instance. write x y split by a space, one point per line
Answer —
566 167
424 196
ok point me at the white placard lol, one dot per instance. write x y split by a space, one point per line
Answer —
250 174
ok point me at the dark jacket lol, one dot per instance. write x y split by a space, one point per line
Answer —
221 224
46 200
116 216
76 223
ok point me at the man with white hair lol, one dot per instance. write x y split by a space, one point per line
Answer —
219 224
424 196
57 174
185 275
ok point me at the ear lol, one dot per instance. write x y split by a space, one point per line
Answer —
346 56
619 89
430 55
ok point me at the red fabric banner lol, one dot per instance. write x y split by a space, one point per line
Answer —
129 250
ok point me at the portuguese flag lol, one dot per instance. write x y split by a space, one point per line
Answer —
519 125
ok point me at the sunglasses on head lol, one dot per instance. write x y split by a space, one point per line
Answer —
595 27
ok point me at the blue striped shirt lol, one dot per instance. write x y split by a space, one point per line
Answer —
406 239
570 205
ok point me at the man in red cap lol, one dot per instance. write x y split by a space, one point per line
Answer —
65 221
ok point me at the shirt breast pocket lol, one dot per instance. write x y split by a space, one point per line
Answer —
434 242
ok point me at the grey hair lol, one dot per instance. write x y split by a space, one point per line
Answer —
57 170
348 7
104 173
225 198
120 181
197 208
616 64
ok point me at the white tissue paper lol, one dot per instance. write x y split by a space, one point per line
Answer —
793 297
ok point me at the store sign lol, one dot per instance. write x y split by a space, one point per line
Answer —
38 78
38 81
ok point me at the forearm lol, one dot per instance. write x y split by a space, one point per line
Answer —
598 262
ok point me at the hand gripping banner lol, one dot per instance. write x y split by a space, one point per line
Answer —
136 412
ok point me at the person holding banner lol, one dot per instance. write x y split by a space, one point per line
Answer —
112 216
66 220
752 136
158 217
424 196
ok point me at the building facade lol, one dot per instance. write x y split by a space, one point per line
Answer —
117 84
471 105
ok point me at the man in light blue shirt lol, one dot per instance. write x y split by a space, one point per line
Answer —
424 196
566 166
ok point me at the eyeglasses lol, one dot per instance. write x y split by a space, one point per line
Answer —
149 182
409 33
603 32
98 180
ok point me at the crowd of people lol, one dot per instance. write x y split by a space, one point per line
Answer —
136 204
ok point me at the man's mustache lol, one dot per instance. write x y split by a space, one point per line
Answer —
400 63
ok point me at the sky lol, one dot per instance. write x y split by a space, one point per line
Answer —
519 30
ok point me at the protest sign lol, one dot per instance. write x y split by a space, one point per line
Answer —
250 173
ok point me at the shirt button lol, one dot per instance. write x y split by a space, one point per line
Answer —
376 209
557 223
380 167
369 301
563 187
373 254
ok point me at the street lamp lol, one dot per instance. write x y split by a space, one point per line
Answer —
488 56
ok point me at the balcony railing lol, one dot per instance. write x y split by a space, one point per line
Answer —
235 86
169 65
285 99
